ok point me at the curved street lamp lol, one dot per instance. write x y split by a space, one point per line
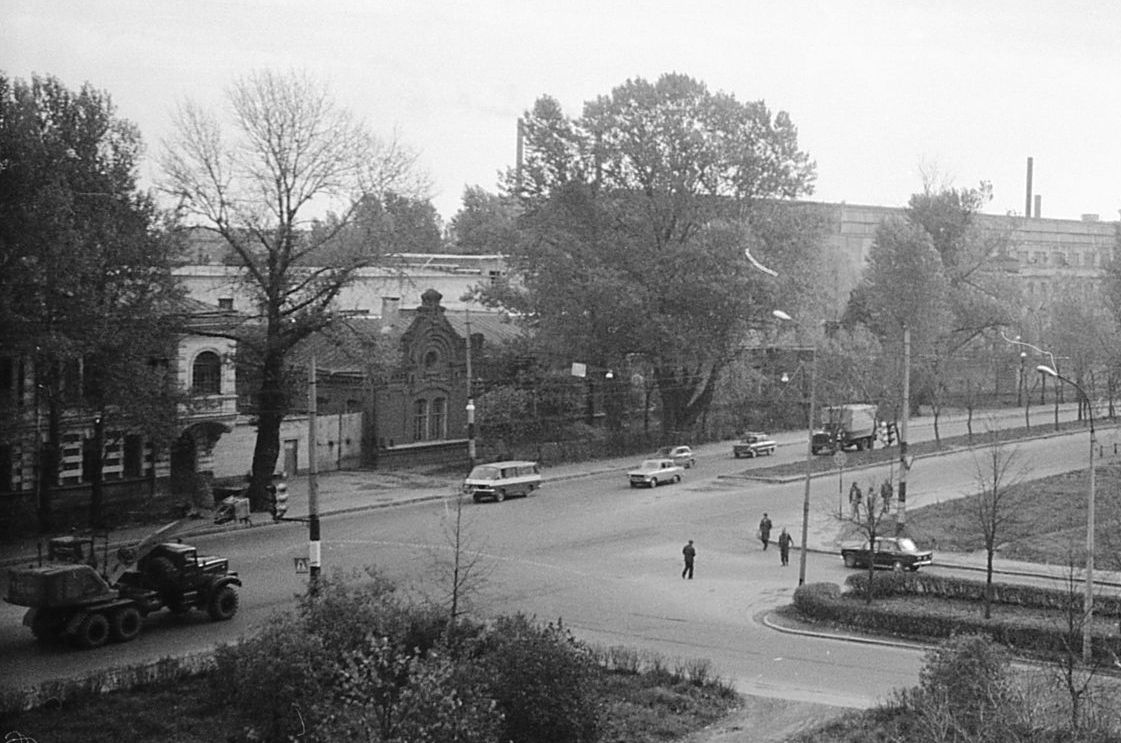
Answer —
809 454
1088 608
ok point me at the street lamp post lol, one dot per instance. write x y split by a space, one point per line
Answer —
1020 386
809 455
1088 608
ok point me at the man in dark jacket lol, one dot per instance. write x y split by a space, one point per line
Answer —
689 552
765 530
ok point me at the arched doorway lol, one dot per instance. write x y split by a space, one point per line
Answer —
194 447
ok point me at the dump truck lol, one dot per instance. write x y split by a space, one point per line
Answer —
850 426
73 596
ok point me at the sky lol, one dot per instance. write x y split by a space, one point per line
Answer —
884 94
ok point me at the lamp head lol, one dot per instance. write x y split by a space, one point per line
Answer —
1044 369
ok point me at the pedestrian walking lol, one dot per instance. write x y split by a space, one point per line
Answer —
855 496
765 530
690 552
784 542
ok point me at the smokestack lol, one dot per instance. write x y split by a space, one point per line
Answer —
1027 199
1038 205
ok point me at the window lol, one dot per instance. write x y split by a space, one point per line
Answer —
133 464
226 303
8 390
420 420
206 374
438 420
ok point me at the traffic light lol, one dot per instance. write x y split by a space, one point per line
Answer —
278 497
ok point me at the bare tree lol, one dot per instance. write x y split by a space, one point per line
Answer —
870 516
294 153
460 570
993 509
1076 678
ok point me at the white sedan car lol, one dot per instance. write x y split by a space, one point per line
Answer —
654 472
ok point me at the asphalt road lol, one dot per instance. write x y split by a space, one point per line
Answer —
597 555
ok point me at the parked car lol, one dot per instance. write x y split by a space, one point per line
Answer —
681 455
654 472
895 553
753 444
498 480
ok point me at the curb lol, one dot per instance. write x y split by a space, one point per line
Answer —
786 479
767 621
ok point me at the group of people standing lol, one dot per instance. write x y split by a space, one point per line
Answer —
689 552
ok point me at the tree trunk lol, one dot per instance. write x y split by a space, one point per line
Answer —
48 464
96 460
272 404
988 584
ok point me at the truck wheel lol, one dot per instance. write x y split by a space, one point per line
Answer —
93 632
126 624
850 561
499 495
677 478
223 604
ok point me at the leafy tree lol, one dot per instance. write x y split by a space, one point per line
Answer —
933 272
87 299
635 226
486 224
293 151
1085 334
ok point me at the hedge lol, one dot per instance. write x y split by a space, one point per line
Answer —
1033 635
890 585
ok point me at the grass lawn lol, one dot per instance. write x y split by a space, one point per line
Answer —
1048 524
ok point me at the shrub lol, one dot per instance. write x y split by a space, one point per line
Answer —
543 681
272 677
816 599
972 675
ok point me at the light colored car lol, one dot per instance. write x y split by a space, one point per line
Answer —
753 444
654 472
681 455
895 553
498 480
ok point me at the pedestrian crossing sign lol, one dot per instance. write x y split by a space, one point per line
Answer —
301 564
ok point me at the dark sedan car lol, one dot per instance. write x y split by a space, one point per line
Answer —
894 553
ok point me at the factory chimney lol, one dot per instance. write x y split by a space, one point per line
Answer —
1027 199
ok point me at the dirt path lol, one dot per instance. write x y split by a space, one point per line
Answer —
766 720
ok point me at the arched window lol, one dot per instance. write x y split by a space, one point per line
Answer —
438 419
420 420
206 374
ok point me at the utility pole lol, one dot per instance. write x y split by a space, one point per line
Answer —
809 469
904 465
470 387
312 483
